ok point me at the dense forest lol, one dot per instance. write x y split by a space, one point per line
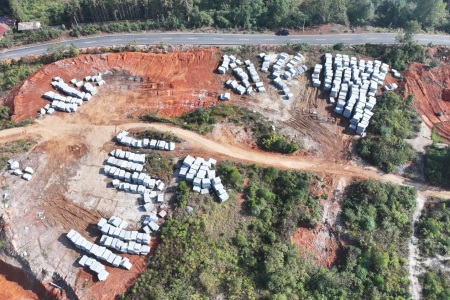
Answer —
247 14
244 251
434 228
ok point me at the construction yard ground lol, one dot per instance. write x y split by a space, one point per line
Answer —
430 87
68 190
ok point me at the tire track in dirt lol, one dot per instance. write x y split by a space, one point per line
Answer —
62 213
213 147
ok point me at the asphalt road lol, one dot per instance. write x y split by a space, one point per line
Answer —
222 39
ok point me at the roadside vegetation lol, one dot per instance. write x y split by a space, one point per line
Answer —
397 56
244 250
13 148
203 120
434 228
428 14
394 121
87 17
14 72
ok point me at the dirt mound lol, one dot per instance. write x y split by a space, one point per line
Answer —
171 83
428 85
322 245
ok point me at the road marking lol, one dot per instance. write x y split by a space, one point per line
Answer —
37 50
141 39
345 39
89 42
372 38
243 39
167 38
220 39
321 39
269 39
116 40
192 38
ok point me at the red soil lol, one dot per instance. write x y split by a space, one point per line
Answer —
428 87
184 75
322 246
15 284
119 280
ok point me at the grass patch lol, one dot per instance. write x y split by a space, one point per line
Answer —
203 121
16 147
152 134
159 165
13 73
435 137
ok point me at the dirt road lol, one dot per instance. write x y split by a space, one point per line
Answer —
51 128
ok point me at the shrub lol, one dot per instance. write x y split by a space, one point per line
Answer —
276 143
338 46
394 120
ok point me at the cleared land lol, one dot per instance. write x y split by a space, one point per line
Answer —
69 192
430 89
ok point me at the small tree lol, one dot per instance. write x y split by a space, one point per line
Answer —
4 113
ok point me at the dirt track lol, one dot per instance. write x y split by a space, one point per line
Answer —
48 130
71 149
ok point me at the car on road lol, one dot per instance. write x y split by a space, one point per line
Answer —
282 32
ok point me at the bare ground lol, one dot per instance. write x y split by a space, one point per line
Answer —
69 191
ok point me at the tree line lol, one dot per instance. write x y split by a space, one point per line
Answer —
246 14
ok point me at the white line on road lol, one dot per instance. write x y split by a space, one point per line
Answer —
219 39
372 38
321 39
269 39
116 40
167 38
345 39
141 38
243 39
192 38
89 42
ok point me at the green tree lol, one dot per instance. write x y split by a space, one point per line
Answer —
361 12
430 13
182 193
4 113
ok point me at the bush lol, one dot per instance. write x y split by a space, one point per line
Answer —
153 134
434 228
394 120
437 167
435 285
14 148
159 165
338 46
203 119
182 193
276 143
